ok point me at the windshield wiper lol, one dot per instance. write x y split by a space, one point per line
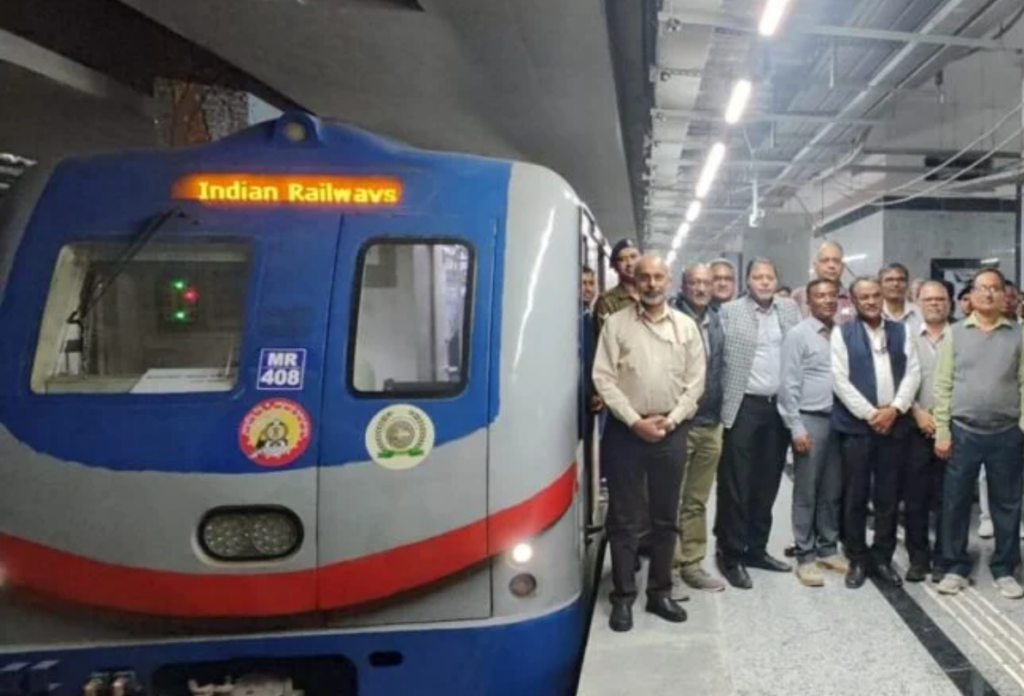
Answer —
94 291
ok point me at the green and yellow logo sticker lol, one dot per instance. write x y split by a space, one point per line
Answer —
400 436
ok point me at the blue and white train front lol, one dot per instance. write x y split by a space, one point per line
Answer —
298 403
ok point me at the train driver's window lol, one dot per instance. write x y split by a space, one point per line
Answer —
166 318
412 318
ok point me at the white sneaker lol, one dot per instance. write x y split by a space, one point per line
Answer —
1009 587
986 530
952 584
679 593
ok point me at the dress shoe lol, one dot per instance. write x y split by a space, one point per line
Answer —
622 618
763 561
856 575
917 572
667 609
885 573
736 575
790 551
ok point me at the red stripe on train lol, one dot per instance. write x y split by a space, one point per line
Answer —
343 584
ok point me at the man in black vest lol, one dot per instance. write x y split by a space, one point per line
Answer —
876 374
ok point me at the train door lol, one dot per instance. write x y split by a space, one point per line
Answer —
403 478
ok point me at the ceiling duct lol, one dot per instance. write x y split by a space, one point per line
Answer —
975 164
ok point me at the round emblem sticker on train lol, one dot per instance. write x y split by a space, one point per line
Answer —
275 432
400 437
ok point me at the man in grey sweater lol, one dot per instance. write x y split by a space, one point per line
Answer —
979 388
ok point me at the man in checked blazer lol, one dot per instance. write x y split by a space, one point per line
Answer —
755 440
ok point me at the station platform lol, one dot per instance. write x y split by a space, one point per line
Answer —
783 639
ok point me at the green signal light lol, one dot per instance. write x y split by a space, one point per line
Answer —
179 284
180 315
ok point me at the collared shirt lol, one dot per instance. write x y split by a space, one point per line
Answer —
764 373
845 311
900 398
646 367
974 383
609 303
806 383
911 317
927 354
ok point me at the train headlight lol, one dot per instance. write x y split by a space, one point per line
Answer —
250 534
522 553
274 534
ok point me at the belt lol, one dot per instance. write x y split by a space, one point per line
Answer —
819 414
765 399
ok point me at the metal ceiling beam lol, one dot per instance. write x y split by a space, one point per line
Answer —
887 169
931 152
734 163
858 104
718 117
701 146
680 212
34 58
726 21
726 78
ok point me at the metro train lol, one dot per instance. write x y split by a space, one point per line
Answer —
293 412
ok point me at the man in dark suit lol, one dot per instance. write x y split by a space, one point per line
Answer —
755 440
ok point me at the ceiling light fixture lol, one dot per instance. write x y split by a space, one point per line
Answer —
772 16
738 100
707 175
671 258
693 212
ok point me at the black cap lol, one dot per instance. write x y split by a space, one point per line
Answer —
620 245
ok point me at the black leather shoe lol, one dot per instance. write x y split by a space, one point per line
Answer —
667 609
856 575
790 552
736 575
622 618
917 572
885 573
764 561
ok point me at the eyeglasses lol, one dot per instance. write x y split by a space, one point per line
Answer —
989 289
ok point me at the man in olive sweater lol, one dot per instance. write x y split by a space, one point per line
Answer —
979 388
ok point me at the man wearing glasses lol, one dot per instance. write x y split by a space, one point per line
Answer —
979 383
895 280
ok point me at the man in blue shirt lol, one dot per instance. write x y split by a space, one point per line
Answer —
805 404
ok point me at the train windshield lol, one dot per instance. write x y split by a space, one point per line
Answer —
411 327
170 321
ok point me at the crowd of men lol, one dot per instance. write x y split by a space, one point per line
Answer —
886 402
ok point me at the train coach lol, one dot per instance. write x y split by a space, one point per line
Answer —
294 412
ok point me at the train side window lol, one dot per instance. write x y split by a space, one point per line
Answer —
169 320
411 319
